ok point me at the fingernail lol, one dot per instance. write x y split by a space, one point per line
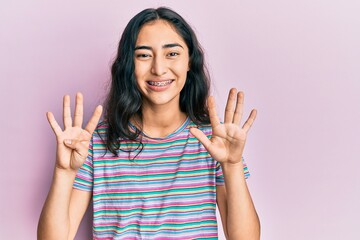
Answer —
68 141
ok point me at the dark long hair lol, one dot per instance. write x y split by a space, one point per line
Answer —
124 99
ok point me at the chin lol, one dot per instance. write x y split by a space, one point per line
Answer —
164 100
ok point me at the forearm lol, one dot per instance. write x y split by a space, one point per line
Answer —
242 220
54 221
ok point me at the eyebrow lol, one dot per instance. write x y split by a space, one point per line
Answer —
170 45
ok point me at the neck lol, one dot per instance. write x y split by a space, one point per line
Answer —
161 121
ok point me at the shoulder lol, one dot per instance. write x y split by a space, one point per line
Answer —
102 126
100 131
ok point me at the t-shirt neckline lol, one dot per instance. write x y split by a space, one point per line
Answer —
178 130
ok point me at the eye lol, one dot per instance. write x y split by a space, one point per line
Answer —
173 54
142 55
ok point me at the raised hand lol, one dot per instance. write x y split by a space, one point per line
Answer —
73 141
227 142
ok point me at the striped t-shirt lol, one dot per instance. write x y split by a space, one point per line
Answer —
168 191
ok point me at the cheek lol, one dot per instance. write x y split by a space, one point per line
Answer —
138 74
136 69
139 71
181 68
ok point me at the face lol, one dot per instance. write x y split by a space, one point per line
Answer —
161 64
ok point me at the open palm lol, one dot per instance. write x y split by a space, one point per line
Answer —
73 141
227 142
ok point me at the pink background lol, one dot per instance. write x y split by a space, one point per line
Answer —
297 61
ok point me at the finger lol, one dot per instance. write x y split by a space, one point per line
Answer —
214 118
201 137
94 120
79 110
53 123
67 112
249 122
81 147
229 109
239 108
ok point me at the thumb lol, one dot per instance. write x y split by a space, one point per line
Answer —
70 143
201 137
77 145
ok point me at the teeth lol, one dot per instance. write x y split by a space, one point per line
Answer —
160 84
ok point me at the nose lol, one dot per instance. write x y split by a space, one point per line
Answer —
159 66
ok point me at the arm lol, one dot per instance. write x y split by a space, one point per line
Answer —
238 213
221 202
65 206
226 146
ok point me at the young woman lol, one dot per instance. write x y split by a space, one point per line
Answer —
161 160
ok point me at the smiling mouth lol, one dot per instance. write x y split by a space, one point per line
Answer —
160 84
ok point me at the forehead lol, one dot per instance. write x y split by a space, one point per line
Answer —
159 32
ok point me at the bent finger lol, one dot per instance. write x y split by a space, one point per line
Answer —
53 123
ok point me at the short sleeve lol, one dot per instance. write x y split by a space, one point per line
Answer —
246 169
220 176
85 175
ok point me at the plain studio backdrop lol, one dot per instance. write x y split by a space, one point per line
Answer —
298 63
